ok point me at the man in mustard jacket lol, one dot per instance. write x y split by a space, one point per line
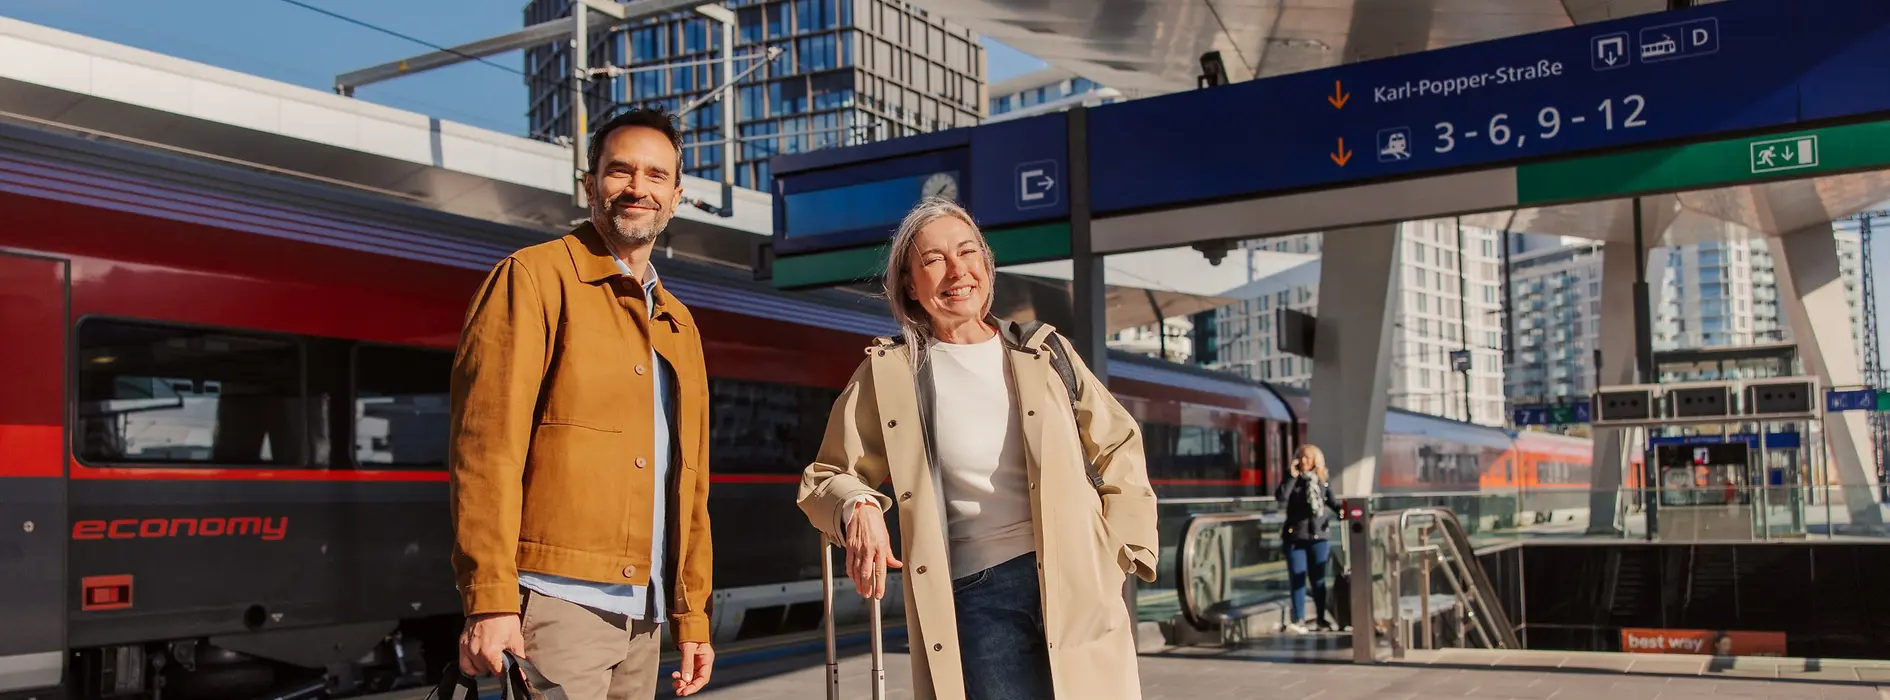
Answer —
580 444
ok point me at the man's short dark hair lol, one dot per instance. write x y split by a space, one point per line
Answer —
642 116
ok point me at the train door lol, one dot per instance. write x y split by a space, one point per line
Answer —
33 312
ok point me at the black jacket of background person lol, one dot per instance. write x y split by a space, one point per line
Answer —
1301 524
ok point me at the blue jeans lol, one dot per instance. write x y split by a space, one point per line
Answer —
1000 632
1303 559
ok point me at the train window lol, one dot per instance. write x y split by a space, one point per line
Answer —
169 395
764 427
1191 452
401 406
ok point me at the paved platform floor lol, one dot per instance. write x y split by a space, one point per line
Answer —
1272 673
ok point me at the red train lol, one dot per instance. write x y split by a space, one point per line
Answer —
222 448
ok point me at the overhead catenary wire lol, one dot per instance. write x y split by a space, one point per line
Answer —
557 84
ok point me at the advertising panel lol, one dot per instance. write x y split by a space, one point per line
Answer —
1712 642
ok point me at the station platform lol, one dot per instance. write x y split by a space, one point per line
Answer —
1310 667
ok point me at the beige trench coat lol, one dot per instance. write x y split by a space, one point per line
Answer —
1088 539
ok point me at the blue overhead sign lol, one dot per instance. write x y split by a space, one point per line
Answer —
1005 174
1682 74
1780 441
1847 69
1734 67
1564 414
1852 400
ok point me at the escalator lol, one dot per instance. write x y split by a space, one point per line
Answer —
1425 589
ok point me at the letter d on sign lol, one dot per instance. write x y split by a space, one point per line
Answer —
1700 37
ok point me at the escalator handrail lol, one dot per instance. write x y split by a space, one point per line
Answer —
1185 558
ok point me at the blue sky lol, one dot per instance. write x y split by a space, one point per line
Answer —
281 41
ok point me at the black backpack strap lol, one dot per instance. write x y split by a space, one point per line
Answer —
1059 360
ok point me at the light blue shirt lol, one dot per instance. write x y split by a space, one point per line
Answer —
626 599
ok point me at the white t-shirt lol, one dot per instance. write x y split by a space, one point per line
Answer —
980 443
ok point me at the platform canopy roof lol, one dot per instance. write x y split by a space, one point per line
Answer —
72 83
1180 281
1154 46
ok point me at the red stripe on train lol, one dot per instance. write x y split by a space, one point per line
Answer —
31 450
80 471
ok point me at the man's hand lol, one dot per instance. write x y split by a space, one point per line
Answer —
698 660
483 644
869 551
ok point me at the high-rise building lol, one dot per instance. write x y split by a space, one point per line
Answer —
1448 300
1555 302
1174 342
1715 293
850 71
1048 90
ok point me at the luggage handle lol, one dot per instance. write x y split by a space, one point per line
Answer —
519 680
833 659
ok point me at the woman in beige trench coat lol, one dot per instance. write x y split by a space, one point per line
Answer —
1008 545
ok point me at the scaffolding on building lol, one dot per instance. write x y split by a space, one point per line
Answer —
1874 370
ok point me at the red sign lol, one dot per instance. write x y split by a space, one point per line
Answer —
105 592
1709 642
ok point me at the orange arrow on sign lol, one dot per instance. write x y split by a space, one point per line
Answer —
1339 95
1341 156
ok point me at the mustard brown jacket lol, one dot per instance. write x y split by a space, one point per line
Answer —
552 432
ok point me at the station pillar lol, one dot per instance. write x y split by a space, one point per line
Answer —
1618 365
1618 347
1352 351
1811 288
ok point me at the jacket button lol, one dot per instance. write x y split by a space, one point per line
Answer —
882 353
907 496
938 647
641 462
892 424
1030 413
629 572
640 369
921 569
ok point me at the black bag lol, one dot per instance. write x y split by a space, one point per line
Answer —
521 681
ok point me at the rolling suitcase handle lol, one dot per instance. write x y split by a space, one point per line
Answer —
833 659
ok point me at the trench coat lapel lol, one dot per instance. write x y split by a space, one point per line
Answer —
934 641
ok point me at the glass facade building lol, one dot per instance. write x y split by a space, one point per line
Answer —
850 71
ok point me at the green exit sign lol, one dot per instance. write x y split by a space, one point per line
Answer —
1775 155
1883 400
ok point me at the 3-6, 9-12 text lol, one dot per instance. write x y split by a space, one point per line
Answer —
1626 114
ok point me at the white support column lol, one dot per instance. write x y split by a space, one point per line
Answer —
1358 275
1618 366
1620 363
1811 288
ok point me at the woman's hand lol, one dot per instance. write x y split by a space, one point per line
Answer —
869 550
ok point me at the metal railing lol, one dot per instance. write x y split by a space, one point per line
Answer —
1404 552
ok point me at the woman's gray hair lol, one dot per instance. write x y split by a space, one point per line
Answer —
914 324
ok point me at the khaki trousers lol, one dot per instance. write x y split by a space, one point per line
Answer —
592 654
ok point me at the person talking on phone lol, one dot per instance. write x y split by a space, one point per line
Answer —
1310 506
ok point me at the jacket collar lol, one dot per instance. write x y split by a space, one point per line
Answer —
1028 336
595 263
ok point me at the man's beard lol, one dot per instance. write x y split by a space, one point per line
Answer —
615 224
